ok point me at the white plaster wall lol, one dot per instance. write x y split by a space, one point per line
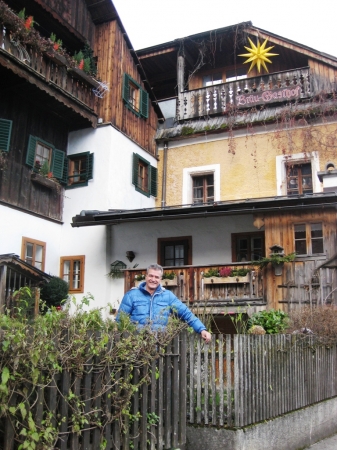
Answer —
110 188
211 240
16 224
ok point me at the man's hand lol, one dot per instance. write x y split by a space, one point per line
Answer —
207 337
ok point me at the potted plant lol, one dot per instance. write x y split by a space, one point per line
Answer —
277 260
139 279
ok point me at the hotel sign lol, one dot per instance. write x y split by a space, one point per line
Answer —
265 97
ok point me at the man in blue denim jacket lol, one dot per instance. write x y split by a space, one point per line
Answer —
152 304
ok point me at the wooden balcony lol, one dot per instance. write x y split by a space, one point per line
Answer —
249 92
50 72
191 286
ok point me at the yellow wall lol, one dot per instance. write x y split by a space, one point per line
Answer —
247 162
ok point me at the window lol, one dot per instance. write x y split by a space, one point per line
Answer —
135 98
175 251
203 189
212 79
189 173
299 179
42 151
33 252
247 246
72 271
308 238
5 134
78 169
144 176
238 74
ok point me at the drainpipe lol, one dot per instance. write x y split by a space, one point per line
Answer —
163 194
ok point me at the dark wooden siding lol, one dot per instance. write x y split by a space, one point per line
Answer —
114 59
16 187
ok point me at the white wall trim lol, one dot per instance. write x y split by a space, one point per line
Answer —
200 170
281 175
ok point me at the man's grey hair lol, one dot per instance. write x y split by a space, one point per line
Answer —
155 267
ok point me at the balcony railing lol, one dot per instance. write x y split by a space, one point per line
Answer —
190 285
51 68
245 93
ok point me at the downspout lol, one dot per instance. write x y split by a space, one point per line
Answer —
163 193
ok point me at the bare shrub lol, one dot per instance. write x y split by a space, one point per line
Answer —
321 321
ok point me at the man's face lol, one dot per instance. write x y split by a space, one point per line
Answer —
152 280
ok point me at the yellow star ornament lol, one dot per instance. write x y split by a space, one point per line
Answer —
258 55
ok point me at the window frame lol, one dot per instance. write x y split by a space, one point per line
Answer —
141 97
34 242
88 175
72 259
300 176
204 186
56 160
187 242
308 238
152 176
249 236
190 172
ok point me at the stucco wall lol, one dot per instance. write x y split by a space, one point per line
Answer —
248 165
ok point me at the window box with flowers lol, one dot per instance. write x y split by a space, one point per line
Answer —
139 279
169 279
226 275
42 175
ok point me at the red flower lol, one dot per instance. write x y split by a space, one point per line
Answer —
81 64
50 174
29 22
56 46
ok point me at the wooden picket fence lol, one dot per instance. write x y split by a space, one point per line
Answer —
232 382
160 406
240 380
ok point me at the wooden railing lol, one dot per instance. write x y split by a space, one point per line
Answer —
191 285
51 68
248 92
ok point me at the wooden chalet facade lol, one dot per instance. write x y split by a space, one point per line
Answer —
62 120
247 161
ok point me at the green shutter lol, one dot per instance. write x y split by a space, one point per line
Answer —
57 163
125 92
144 104
153 180
64 179
30 157
5 134
90 166
135 169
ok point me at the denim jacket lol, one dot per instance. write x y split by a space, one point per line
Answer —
144 308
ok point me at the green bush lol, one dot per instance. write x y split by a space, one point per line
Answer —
272 321
54 291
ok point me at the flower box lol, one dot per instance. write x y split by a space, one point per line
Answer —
227 280
44 181
167 282
57 58
81 75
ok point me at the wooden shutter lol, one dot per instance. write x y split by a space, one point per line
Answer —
153 180
135 169
57 163
30 157
90 166
144 104
64 179
125 92
5 134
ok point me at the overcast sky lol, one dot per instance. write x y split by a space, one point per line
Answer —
151 22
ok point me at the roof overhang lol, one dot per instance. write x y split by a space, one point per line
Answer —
227 208
13 262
